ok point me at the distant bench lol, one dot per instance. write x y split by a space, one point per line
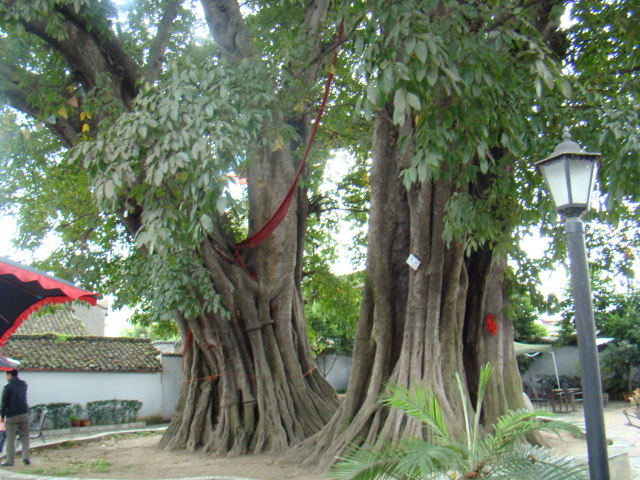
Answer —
631 413
35 427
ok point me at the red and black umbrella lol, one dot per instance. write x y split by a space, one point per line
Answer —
23 290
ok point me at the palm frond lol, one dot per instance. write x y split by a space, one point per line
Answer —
465 414
427 459
412 460
421 405
516 424
369 463
501 455
485 373
527 462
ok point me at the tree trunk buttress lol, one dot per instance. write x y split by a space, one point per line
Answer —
251 378
250 383
412 327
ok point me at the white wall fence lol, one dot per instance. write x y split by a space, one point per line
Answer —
335 368
567 363
157 391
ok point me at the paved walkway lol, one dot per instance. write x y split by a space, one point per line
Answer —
615 423
617 430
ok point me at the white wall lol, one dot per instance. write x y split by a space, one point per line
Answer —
92 317
83 387
567 362
171 378
336 369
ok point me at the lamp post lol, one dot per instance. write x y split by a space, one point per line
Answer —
570 173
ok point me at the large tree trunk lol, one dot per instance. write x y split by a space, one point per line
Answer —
415 324
250 383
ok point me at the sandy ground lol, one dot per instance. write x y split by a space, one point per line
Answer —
138 457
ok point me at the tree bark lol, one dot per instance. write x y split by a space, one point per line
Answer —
250 383
415 324
250 379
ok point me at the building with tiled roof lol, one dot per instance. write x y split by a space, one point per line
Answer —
52 352
166 347
56 320
64 358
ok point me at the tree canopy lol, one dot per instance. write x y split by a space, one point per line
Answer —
126 126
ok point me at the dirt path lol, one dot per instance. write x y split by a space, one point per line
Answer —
135 456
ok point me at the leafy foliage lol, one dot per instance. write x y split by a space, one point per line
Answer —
107 412
525 330
618 359
183 138
501 454
616 316
331 306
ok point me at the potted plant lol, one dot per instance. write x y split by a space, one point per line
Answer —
85 422
74 421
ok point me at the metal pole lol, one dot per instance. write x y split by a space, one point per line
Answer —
555 367
587 350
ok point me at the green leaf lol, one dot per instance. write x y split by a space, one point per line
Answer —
221 204
432 74
413 101
565 87
421 51
538 85
206 222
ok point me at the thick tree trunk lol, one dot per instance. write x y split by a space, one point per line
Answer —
250 382
415 324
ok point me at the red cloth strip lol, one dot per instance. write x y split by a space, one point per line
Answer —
267 229
187 342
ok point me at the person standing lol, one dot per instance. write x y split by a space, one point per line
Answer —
15 411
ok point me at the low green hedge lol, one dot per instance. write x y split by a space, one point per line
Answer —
57 413
102 412
107 412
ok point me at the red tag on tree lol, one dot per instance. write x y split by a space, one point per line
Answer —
490 324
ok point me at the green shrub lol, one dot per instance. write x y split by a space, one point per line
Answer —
152 419
57 413
108 412
549 382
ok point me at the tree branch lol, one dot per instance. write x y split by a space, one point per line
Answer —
15 88
90 50
156 52
228 28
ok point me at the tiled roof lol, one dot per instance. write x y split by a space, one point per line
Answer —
57 320
52 352
165 347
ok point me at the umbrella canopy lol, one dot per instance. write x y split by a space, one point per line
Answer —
7 363
531 348
23 290
522 348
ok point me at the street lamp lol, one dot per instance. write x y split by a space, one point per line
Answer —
570 174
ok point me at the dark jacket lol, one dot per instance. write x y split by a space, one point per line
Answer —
14 398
